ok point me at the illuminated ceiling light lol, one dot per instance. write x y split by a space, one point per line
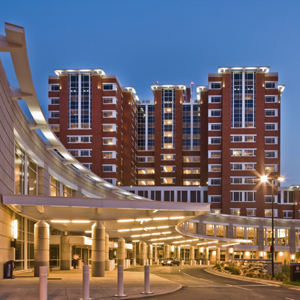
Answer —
123 230
126 220
154 240
135 241
149 228
195 240
136 229
143 220
60 221
178 237
88 231
146 234
177 218
160 219
137 235
160 239
81 221
166 232
156 233
175 242
162 227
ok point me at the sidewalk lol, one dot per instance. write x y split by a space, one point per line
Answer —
67 285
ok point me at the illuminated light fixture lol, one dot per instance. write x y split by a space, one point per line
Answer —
154 240
201 249
261 253
137 229
230 250
280 253
247 253
176 218
175 242
205 243
166 232
147 234
172 248
88 231
15 229
81 221
149 228
169 238
160 219
214 253
155 211
143 220
123 230
188 240
135 241
293 256
161 239
156 233
177 236
126 220
195 240
162 227
60 221
137 235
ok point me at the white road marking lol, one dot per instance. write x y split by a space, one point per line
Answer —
238 287
289 299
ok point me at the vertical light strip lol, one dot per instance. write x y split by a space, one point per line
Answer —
243 98
15 229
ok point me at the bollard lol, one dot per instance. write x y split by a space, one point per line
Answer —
120 282
147 280
85 283
43 283
200 262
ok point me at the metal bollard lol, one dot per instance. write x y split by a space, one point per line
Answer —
43 283
120 282
147 280
85 283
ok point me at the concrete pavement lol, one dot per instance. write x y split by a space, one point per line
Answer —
67 285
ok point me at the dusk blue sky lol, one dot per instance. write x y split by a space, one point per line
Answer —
172 42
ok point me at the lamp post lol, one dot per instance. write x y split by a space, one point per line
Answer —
272 179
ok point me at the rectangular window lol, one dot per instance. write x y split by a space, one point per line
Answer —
54 87
251 212
168 157
268 213
214 154
167 169
215 85
271 154
109 100
191 170
214 181
146 182
271 126
166 180
214 99
108 86
54 114
214 168
109 141
214 112
214 126
271 140
109 113
235 211
55 127
271 99
54 101
110 127
270 84
214 140
109 154
146 171
214 198
271 112
288 214
243 138
109 168
243 152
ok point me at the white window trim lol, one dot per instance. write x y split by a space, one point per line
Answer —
210 179
276 85
210 151
114 180
243 166
275 212
114 167
243 195
272 165
173 169
114 113
210 111
275 199
243 152
54 111
162 179
214 137
115 86
210 83
209 99
210 126
276 126
79 152
114 100
192 181
52 98
211 196
243 138
79 139
114 126
271 109
50 87
288 211
243 180
210 166
173 157
275 151
276 98
249 209
275 137
114 154
114 140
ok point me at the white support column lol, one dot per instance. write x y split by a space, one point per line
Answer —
41 246
134 254
98 250
143 260
192 254
155 253
107 263
178 252
166 251
66 252
218 255
150 254
121 252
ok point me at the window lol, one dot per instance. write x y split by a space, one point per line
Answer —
79 139
109 127
214 168
242 180
54 87
166 180
215 85
109 86
109 154
54 101
214 140
80 153
214 154
109 141
235 211
191 170
243 152
168 157
209 229
242 196
214 99
167 169
189 159
271 140
270 168
214 198
214 126
271 112
251 212
109 168
243 138
55 127
243 166
268 198
271 126
146 182
271 84
109 100
54 114
87 165
288 214
214 112
109 113
271 99
191 182
214 181
288 197
268 213
146 171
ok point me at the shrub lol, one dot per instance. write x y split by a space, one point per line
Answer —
227 268
235 271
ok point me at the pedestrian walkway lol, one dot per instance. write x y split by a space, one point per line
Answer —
67 285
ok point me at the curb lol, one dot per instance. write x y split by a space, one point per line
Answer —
238 277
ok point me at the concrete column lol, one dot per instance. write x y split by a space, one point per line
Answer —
198 257
218 255
66 252
121 252
178 252
155 253
206 256
98 250
106 252
261 238
192 253
143 260
41 246
134 253
150 253
138 253
166 251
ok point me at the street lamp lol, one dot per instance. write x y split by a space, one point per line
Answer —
272 179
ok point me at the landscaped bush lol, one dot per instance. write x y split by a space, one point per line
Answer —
217 266
235 271
227 268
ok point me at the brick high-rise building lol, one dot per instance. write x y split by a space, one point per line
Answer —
153 147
